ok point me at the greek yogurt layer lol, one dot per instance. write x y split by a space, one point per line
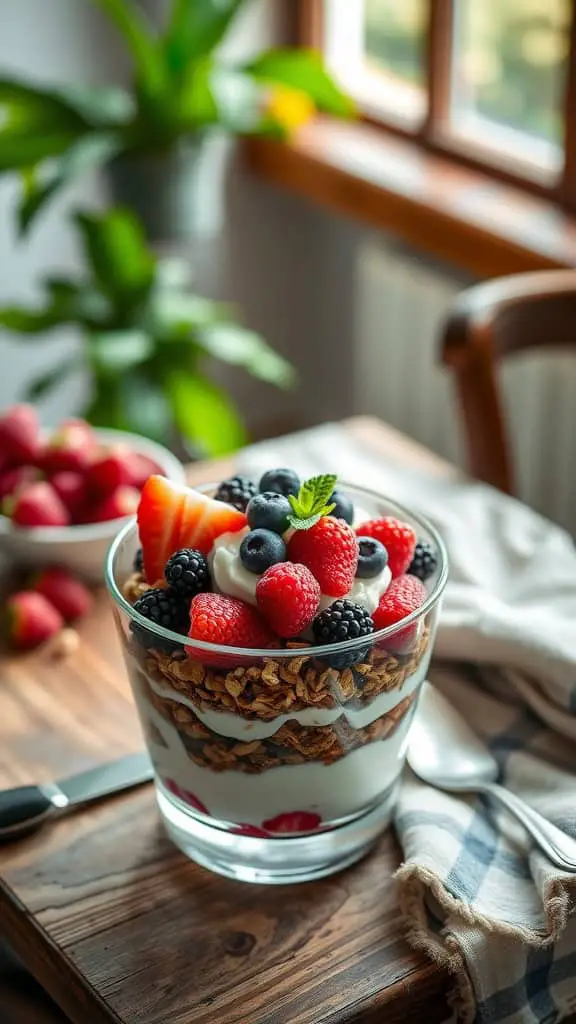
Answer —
224 723
231 577
330 791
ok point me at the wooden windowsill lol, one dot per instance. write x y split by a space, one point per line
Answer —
455 214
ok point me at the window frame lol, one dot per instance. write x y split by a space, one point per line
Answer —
433 134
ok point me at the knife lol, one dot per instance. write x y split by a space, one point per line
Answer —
26 808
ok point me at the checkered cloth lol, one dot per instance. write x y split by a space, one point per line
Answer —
475 894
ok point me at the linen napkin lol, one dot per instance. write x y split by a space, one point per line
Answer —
475 894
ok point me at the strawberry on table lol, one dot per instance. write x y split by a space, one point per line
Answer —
288 596
228 622
30 619
398 538
172 516
37 504
68 595
20 434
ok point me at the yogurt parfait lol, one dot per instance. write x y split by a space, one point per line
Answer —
276 633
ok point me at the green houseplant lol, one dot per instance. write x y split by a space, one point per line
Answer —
147 341
148 136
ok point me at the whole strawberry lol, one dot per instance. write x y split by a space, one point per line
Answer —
404 595
110 470
72 446
122 502
30 619
20 434
37 504
71 489
288 596
228 622
68 595
12 479
330 550
398 538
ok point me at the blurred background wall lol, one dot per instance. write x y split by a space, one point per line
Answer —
356 312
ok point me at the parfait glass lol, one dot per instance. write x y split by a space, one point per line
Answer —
277 766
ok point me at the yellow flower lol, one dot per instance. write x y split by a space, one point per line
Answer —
290 108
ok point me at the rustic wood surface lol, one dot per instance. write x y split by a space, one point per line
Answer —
118 927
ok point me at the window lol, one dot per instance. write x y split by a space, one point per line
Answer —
489 82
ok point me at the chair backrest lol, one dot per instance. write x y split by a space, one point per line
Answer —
487 322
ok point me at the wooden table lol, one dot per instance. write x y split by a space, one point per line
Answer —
119 928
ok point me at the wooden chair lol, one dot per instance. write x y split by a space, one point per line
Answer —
490 321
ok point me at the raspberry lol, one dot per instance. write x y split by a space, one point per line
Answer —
288 597
404 595
236 492
397 537
187 572
424 562
228 622
163 608
330 550
343 620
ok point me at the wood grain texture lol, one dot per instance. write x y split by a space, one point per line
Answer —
119 928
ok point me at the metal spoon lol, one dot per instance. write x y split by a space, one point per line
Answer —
446 753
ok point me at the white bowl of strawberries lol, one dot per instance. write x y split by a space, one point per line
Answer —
65 493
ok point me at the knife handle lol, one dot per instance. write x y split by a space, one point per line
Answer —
22 810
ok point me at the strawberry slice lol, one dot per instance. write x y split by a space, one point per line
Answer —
171 517
293 821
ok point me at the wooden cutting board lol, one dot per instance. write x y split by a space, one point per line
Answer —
119 928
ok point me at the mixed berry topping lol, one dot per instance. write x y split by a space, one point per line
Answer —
288 549
372 558
236 492
187 573
260 549
424 562
283 481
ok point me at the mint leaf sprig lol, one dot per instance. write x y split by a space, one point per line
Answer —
312 501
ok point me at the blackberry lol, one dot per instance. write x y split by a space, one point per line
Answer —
343 620
344 508
187 573
424 562
138 563
236 492
163 608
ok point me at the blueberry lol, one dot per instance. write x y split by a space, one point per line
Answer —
269 511
344 507
260 549
282 481
372 557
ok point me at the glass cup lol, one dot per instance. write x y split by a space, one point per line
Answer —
282 765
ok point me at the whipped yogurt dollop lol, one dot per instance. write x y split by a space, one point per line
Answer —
231 577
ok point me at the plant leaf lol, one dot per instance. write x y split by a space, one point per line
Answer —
204 413
302 70
142 44
26 321
231 343
115 352
197 103
117 253
195 29
38 387
101 106
311 503
303 524
34 124
84 153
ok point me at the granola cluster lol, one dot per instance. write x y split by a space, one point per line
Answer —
271 688
292 744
